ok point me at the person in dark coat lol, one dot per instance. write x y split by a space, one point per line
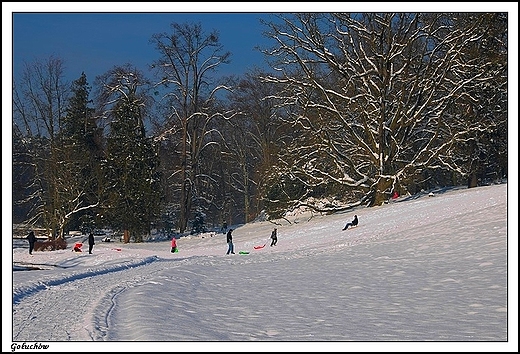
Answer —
90 242
229 240
32 240
352 223
274 238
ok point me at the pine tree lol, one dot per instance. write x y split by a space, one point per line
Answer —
81 142
131 171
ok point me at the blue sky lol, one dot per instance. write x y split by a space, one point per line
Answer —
95 42
94 37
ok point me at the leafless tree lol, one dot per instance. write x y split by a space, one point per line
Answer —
188 57
254 139
39 103
376 96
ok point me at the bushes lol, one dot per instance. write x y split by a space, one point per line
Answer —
50 245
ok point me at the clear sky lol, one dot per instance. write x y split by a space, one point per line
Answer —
96 42
94 37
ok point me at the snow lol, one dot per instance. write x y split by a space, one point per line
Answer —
419 273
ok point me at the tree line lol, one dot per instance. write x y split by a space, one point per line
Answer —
357 106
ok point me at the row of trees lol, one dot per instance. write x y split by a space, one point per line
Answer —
357 106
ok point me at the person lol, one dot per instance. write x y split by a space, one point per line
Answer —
229 240
174 244
77 247
352 223
224 227
274 238
32 240
90 242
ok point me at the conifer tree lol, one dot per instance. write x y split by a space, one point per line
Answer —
81 142
130 168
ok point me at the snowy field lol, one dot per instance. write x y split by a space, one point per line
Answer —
419 274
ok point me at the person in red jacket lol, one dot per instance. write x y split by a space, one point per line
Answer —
174 245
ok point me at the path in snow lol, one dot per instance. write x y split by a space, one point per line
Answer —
431 269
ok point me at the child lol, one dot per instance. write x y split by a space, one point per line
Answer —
77 247
174 245
274 238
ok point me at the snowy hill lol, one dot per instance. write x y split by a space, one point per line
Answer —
425 269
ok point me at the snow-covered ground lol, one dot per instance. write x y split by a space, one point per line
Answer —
419 274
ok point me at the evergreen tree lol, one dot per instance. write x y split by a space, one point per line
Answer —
131 172
81 150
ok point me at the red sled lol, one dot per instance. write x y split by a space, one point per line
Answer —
259 247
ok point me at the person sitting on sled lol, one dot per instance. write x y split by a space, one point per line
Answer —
174 245
352 223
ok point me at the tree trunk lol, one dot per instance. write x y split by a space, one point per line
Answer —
472 180
184 208
381 193
246 192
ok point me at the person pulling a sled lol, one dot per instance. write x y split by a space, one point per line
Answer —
91 242
352 223
274 238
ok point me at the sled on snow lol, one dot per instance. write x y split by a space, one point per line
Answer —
262 246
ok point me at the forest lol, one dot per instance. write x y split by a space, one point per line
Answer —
357 107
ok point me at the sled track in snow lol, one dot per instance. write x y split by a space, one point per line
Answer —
22 292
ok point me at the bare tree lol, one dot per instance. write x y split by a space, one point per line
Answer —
254 140
188 57
39 103
482 157
40 98
376 96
